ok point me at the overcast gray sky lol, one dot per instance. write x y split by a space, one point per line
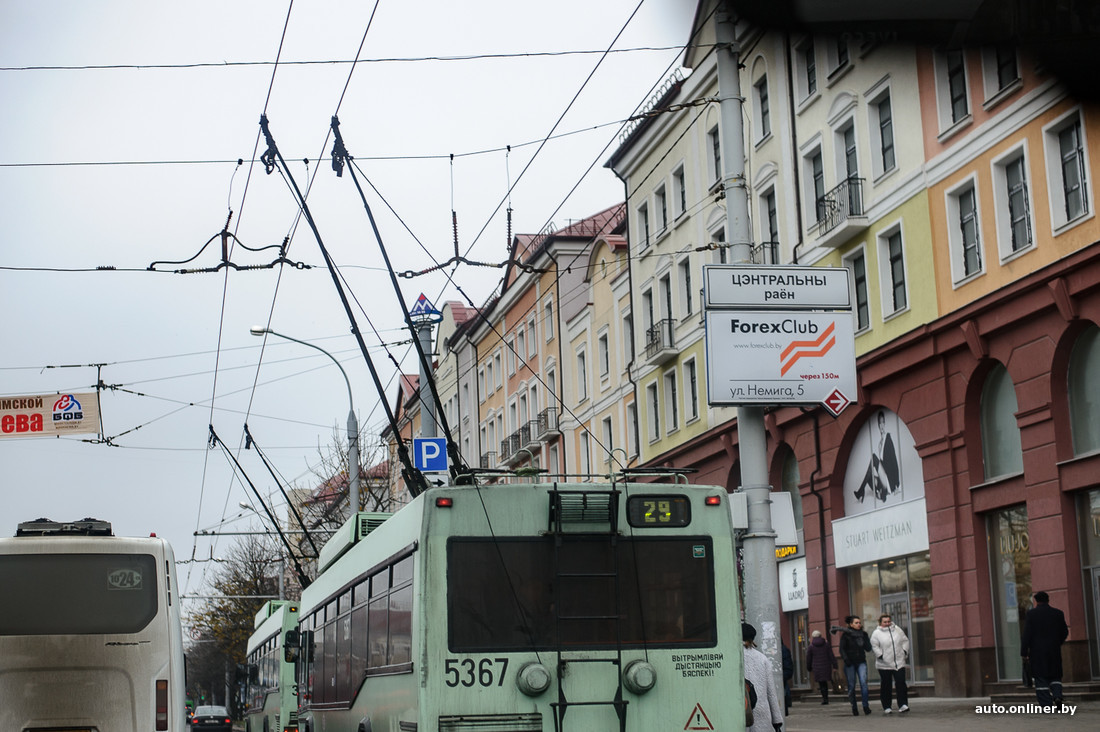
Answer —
134 161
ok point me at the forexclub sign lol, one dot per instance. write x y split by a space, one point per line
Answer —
764 346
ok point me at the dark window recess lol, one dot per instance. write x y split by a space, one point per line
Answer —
501 593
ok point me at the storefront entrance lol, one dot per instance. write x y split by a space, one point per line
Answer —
1010 572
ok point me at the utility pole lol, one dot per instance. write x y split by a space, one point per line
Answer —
761 578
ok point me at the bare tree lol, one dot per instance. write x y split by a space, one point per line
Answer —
242 584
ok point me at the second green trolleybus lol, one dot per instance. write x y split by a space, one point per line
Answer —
272 695
528 608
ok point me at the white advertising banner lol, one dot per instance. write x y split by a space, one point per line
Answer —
766 357
49 414
892 531
793 593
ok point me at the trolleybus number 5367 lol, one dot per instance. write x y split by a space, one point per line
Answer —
468 672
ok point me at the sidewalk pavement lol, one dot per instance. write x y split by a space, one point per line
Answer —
938 714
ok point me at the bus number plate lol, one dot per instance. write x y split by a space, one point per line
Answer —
469 672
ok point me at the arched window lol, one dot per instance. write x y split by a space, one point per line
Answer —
1001 450
1084 392
790 485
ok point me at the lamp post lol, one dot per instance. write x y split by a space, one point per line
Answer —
353 423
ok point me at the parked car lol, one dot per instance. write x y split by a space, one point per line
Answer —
211 719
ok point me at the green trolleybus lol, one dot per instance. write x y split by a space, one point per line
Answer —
528 608
272 692
90 636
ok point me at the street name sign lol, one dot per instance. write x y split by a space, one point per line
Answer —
793 287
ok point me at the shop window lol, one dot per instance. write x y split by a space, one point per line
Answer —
1088 514
902 588
1010 572
1001 449
1084 392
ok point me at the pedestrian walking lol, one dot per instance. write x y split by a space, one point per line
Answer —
891 648
855 644
767 715
1045 631
821 662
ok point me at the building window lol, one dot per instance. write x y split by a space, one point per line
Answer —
840 49
533 340
685 287
632 427
770 219
665 285
1010 565
1002 453
894 256
654 399
1084 392
715 152
510 356
628 336
643 224
815 181
585 467
1013 205
1072 155
608 439
672 401
481 385
968 223
691 380
648 317
956 85
763 109
808 68
497 370
680 183
964 235
604 355
858 264
881 118
1067 169
582 376
661 208
521 346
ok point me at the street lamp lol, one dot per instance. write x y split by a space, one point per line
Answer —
353 423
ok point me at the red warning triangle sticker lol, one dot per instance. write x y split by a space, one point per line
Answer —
698 720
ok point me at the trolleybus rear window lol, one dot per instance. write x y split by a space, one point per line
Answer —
514 594
58 594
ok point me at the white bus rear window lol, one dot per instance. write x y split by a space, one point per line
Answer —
60 594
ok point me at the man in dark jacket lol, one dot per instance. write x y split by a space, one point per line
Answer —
854 646
1045 631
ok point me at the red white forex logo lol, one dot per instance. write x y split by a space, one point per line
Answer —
807 349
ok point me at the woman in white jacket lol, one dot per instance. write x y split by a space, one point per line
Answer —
891 649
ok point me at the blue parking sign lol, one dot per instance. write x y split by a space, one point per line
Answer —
430 454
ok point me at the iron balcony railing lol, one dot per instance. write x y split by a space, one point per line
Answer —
659 338
840 204
488 460
766 252
546 422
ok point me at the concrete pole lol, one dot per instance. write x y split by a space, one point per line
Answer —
427 395
761 578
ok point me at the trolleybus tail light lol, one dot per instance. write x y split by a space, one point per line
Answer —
442 502
162 704
713 500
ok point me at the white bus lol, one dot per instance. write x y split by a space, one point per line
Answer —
532 607
90 636
272 692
